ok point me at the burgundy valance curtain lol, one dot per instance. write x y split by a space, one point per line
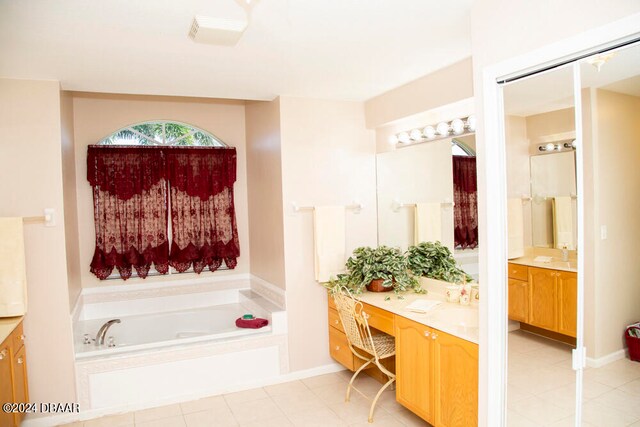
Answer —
465 194
133 190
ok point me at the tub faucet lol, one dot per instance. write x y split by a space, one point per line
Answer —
102 332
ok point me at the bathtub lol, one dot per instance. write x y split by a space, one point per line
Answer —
158 330
176 342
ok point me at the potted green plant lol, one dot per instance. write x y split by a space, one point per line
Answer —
434 260
378 270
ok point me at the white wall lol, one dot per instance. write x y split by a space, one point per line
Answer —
518 167
31 172
328 158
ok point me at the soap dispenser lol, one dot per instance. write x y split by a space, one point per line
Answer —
565 253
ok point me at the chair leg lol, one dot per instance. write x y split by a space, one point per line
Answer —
360 369
373 405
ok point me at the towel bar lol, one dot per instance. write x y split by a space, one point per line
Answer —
48 218
397 205
357 207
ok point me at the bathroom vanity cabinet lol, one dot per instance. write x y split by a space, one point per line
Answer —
544 298
13 369
436 372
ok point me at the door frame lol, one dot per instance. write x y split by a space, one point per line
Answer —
493 191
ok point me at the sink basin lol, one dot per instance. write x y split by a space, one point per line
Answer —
464 317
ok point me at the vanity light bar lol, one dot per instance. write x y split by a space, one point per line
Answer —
431 132
569 145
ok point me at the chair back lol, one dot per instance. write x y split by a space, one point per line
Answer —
354 321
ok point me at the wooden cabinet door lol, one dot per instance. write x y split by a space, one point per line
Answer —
414 367
567 303
20 388
456 381
542 298
518 300
6 380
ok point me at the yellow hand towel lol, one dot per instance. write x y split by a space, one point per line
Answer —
330 241
428 223
563 237
13 276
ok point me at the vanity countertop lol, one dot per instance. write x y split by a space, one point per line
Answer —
555 264
452 318
7 326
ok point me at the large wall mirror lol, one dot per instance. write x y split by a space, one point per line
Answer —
544 194
417 196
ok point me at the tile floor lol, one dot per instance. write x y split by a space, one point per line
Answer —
541 387
541 390
316 401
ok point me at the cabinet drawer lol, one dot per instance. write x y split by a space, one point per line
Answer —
18 337
380 319
339 348
518 272
334 320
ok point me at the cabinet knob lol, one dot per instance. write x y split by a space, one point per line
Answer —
337 347
434 336
3 354
336 321
20 360
22 337
427 333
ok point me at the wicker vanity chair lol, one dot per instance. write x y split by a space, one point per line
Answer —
364 345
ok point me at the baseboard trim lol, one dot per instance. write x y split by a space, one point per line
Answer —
605 360
55 420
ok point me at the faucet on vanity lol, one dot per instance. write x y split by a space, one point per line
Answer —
102 332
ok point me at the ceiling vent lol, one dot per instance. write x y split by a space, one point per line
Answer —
222 32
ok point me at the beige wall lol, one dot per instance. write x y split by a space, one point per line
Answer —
264 177
98 115
70 202
442 87
617 186
328 158
547 124
31 170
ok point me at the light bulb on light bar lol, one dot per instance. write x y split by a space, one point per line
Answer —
404 137
416 135
393 140
429 132
457 126
550 147
443 128
471 123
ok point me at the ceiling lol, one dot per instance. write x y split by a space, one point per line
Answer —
336 49
553 90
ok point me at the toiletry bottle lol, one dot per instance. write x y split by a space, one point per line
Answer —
565 253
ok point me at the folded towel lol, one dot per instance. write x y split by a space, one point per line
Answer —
255 323
515 228
330 241
563 223
422 305
428 223
13 276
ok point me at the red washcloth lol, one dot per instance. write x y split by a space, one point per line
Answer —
255 323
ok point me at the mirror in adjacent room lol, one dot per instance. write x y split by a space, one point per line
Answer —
437 178
611 116
542 235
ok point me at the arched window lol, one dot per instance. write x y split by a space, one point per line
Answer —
162 132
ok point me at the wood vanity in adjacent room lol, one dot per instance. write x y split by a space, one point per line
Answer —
13 369
436 371
543 299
